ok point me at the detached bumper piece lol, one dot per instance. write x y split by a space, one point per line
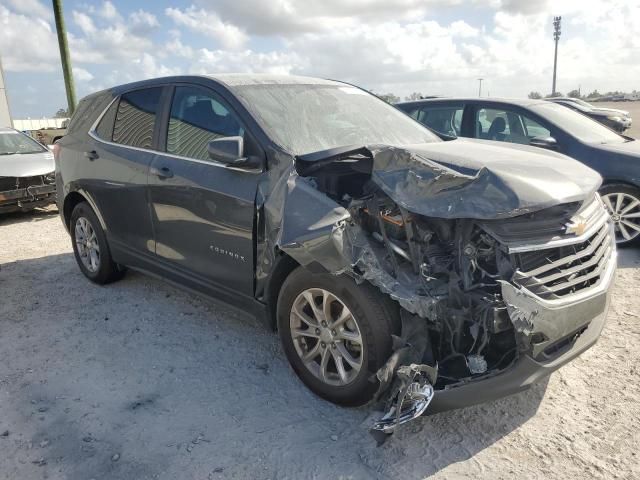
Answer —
406 379
27 198
409 403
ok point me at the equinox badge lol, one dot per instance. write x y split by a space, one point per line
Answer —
227 253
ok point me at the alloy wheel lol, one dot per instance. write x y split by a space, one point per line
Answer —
326 337
87 243
625 213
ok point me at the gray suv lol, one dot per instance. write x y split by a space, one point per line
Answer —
396 267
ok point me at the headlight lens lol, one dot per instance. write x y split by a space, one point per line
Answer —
614 118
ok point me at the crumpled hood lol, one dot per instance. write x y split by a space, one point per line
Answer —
477 179
26 165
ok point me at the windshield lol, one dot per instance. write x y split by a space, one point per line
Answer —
16 143
305 118
576 124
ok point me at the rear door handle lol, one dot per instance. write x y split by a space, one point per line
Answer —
92 155
164 172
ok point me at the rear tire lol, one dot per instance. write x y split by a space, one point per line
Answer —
623 204
90 247
359 323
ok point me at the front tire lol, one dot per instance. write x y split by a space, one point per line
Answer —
90 247
336 334
623 204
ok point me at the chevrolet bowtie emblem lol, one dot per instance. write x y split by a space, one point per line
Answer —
577 226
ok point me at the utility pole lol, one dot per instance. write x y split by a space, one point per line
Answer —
480 87
556 38
64 56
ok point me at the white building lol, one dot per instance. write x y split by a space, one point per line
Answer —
5 115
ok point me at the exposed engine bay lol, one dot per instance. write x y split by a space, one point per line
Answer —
449 273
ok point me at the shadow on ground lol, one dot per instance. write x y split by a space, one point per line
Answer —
36 215
629 257
138 380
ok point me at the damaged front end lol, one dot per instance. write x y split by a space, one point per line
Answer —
26 193
489 264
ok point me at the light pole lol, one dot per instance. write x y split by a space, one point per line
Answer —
480 87
556 38
64 56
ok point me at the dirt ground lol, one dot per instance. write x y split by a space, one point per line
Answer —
138 380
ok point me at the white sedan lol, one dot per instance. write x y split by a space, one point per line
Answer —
27 173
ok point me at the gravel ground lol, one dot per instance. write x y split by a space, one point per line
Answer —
138 380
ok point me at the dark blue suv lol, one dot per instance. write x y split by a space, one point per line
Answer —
551 126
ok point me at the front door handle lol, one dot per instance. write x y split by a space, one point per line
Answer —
92 155
164 172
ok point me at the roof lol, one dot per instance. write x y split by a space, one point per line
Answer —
242 79
522 102
229 80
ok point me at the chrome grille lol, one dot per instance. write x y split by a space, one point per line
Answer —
556 272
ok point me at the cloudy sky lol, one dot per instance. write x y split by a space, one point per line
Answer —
400 46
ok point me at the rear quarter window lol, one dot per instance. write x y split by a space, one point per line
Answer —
136 117
104 130
87 112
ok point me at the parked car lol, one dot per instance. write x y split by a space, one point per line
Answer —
553 127
618 120
343 223
49 136
27 177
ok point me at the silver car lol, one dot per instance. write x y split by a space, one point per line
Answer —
27 177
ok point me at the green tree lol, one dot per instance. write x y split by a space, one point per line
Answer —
535 95
574 94
594 94
554 95
388 97
414 96
61 113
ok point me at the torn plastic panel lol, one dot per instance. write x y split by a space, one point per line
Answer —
415 228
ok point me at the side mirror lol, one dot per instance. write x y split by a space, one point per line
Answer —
549 143
227 150
230 151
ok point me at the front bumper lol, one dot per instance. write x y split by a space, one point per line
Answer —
24 199
528 370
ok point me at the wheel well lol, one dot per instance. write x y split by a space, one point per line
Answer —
284 265
624 183
70 202
55 139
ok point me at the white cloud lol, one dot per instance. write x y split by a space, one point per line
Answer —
208 23
82 75
32 8
109 11
84 22
22 53
247 61
398 46
141 21
293 17
114 42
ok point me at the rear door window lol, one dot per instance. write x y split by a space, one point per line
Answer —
446 119
505 125
136 117
198 116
